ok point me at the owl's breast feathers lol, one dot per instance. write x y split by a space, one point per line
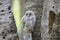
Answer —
28 23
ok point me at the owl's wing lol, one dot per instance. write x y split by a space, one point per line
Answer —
23 21
33 20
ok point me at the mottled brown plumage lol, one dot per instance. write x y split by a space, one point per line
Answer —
51 21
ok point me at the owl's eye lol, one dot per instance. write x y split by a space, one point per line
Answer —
26 14
30 14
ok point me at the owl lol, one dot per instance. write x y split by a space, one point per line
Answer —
28 20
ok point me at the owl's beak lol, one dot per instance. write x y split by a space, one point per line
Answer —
28 16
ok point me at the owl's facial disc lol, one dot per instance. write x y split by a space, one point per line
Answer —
29 13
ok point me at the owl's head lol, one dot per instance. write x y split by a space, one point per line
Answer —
29 13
